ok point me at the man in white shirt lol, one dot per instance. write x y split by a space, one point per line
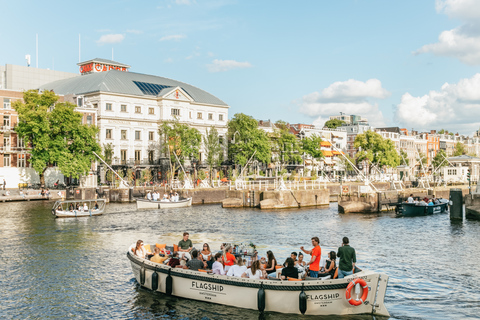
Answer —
410 199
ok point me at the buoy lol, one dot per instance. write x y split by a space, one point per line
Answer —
261 298
155 280
142 275
169 284
348 293
302 301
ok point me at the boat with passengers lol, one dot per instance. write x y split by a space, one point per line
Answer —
163 204
78 208
415 209
360 293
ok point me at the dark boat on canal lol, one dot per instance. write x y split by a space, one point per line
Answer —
412 209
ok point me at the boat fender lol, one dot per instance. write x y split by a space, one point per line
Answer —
155 280
169 284
348 293
142 275
261 298
302 301
53 211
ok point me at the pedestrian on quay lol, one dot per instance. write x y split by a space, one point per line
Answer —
316 252
348 259
4 184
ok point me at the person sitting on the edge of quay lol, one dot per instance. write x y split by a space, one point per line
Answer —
238 269
195 263
254 272
217 267
157 258
293 255
185 246
271 264
410 199
316 252
206 256
289 271
347 257
330 265
228 258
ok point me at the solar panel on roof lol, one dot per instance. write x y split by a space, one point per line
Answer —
150 88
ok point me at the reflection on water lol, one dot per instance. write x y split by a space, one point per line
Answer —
65 268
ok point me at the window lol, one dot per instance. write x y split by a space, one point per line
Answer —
89 120
210 116
123 134
6 160
123 156
138 109
108 133
21 161
79 102
150 157
150 135
199 115
175 112
6 122
6 103
137 156
123 108
220 140
220 117
108 107
190 115
21 143
151 111
137 135
6 143
95 105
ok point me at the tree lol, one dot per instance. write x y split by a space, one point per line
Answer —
245 138
311 146
333 123
376 149
439 159
55 134
213 148
422 158
404 161
108 152
441 131
459 149
346 164
147 175
287 144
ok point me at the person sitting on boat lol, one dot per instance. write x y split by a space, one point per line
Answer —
95 207
174 260
238 269
430 202
254 272
289 271
149 196
85 207
228 258
330 265
206 256
165 197
410 199
271 264
195 263
140 250
157 258
217 267
300 265
185 246
177 197
422 203
316 252
71 207
293 255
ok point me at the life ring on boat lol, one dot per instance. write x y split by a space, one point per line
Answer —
348 293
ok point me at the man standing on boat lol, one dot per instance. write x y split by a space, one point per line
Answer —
347 259
316 252
185 246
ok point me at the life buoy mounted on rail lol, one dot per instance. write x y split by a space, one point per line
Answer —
348 293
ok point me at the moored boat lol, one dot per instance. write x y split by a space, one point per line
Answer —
311 297
163 204
412 209
68 208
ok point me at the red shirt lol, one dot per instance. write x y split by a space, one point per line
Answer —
317 252
230 259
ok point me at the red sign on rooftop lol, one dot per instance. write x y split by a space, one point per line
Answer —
101 65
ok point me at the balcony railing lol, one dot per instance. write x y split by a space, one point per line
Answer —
7 128
133 162
8 149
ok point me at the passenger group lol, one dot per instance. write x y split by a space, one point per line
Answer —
155 196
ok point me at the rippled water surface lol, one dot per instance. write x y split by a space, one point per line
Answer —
77 268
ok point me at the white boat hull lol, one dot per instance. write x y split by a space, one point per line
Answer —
59 212
323 297
150 204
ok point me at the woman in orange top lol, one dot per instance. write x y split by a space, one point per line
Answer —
228 258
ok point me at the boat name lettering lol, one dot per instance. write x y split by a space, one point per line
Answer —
332 296
207 286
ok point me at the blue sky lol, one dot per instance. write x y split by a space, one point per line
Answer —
406 63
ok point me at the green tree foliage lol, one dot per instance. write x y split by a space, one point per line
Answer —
441 131
286 144
459 149
147 175
55 134
345 164
213 149
311 146
246 137
108 152
180 139
375 148
422 158
333 123
439 159
404 161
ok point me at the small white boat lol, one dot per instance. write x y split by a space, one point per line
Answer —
163 204
360 293
76 208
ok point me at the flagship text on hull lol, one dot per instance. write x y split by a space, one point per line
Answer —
360 293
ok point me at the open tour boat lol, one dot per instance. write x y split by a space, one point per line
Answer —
163 204
360 293
68 208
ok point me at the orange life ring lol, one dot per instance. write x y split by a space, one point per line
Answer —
98 67
348 293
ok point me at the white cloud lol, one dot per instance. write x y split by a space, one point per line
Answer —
168 60
185 2
111 38
350 97
454 106
462 42
226 65
134 31
174 37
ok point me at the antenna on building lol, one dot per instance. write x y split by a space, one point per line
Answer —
79 49
36 50
27 57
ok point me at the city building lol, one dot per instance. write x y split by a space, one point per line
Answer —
351 119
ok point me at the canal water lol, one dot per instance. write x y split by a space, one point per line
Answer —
77 268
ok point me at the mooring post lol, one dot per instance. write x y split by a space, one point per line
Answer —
456 207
